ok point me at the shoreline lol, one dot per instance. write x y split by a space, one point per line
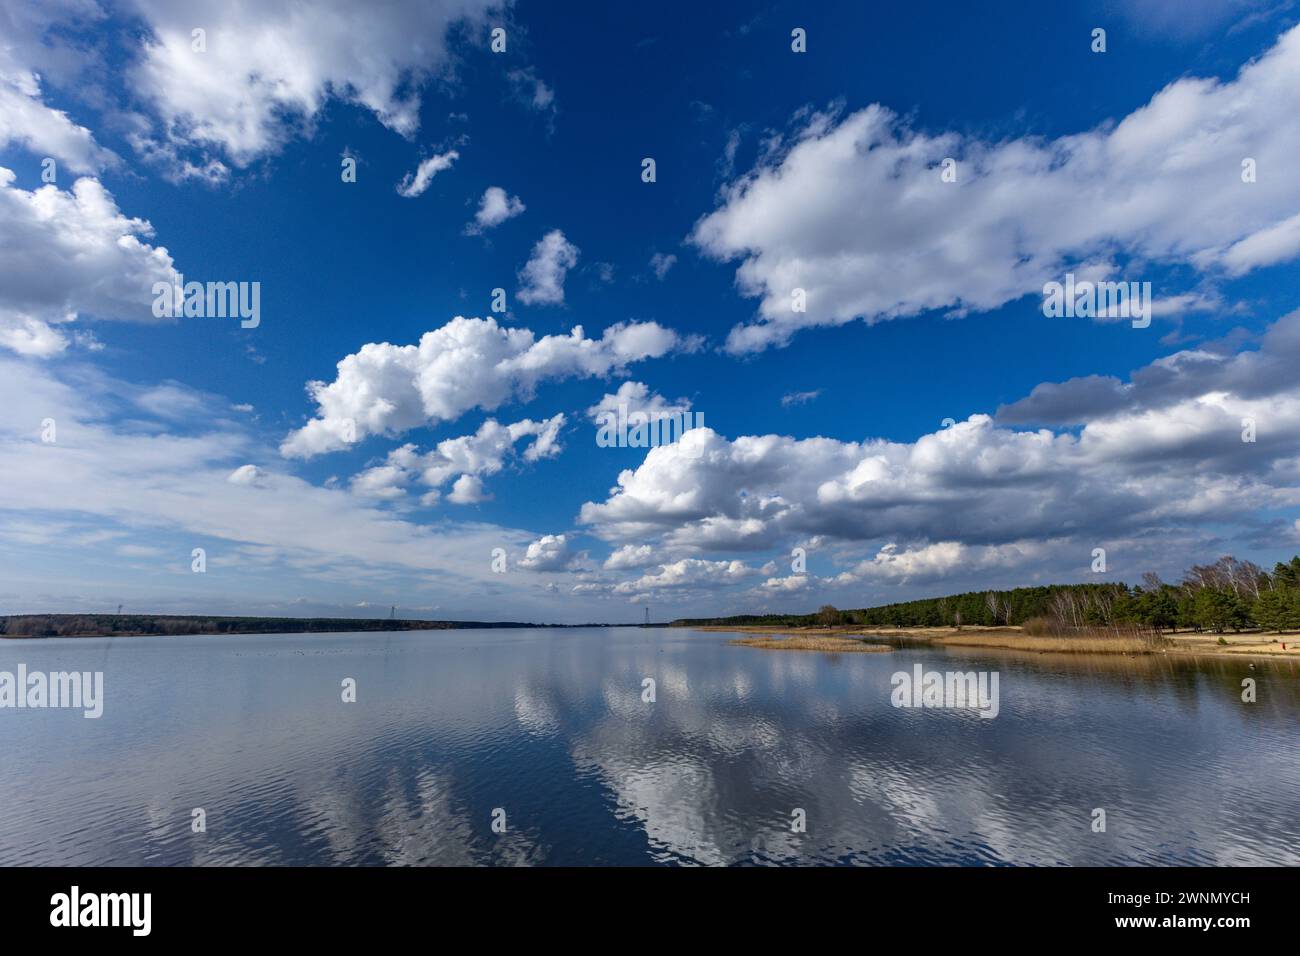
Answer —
74 626
834 639
1180 644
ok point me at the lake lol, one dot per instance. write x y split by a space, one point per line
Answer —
547 731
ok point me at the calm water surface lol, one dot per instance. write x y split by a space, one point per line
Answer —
550 726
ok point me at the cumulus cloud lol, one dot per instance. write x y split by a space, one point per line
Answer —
933 562
853 210
1162 451
494 208
785 585
636 399
550 552
483 453
541 281
688 573
468 490
27 122
414 184
1252 374
387 481
270 68
465 364
28 49
71 254
633 557
246 475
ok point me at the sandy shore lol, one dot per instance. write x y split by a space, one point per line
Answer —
1014 638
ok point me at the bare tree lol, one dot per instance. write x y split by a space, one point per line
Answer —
1103 601
1242 578
828 615
1200 576
1065 608
1250 574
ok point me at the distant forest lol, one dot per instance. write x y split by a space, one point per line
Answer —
1226 595
124 625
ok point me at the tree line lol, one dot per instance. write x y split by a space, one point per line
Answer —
130 625
1229 594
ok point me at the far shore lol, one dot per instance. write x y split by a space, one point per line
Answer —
27 626
1181 643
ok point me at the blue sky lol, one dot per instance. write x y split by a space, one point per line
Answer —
824 430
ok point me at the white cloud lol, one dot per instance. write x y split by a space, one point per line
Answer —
27 49
933 562
689 573
542 277
270 68
550 552
1268 370
465 364
246 475
660 264
636 399
793 582
71 254
414 184
383 482
1267 247
633 557
494 208
799 398
854 211
478 455
468 490
161 483
1163 451
27 122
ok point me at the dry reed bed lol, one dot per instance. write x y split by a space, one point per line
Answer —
1064 644
811 642
1118 641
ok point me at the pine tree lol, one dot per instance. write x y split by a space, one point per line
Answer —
1219 609
1272 610
1291 615
1287 575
